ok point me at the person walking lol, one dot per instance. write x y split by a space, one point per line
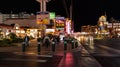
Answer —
46 41
26 40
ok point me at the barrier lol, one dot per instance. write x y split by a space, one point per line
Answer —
23 47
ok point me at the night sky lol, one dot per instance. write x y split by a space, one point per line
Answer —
85 12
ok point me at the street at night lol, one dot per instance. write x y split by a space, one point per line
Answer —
59 33
86 55
60 58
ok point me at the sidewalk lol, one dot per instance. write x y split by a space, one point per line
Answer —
71 57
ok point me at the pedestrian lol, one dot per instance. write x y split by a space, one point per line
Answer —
46 41
26 40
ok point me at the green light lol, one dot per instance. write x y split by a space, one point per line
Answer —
52 15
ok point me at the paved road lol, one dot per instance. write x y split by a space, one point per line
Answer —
104 53
14 57
28 60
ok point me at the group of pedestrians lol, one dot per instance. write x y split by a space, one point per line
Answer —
47 40
52 40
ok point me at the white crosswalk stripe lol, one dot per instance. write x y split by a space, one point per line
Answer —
45 55
28 60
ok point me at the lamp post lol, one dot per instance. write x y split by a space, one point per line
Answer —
42 5
43 17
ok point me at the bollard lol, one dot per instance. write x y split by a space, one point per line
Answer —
72 44
39 40
76 44
53 46
65 45
39 47
23 47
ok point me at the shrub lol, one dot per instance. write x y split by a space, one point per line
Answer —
14 38
12 35
31 37
17 40
7 41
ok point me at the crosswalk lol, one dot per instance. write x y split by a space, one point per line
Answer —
110 49
28 59
24 60
104 51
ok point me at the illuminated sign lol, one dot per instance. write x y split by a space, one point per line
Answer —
52 15
68 26
43 18
60 23
60 18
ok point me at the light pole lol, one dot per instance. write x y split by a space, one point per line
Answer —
42 5
42 16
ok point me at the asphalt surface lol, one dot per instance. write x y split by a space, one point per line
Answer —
77 57
106 52
28 60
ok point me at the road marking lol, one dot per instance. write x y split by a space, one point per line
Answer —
33 54
45 55
28 60
111 49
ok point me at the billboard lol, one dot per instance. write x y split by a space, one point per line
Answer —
68 26
60 23
43 18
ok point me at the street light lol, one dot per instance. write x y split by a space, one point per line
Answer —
43 5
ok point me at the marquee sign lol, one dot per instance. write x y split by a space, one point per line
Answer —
60 22
43 18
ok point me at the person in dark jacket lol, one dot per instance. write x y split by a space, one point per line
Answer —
46 41
26 40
